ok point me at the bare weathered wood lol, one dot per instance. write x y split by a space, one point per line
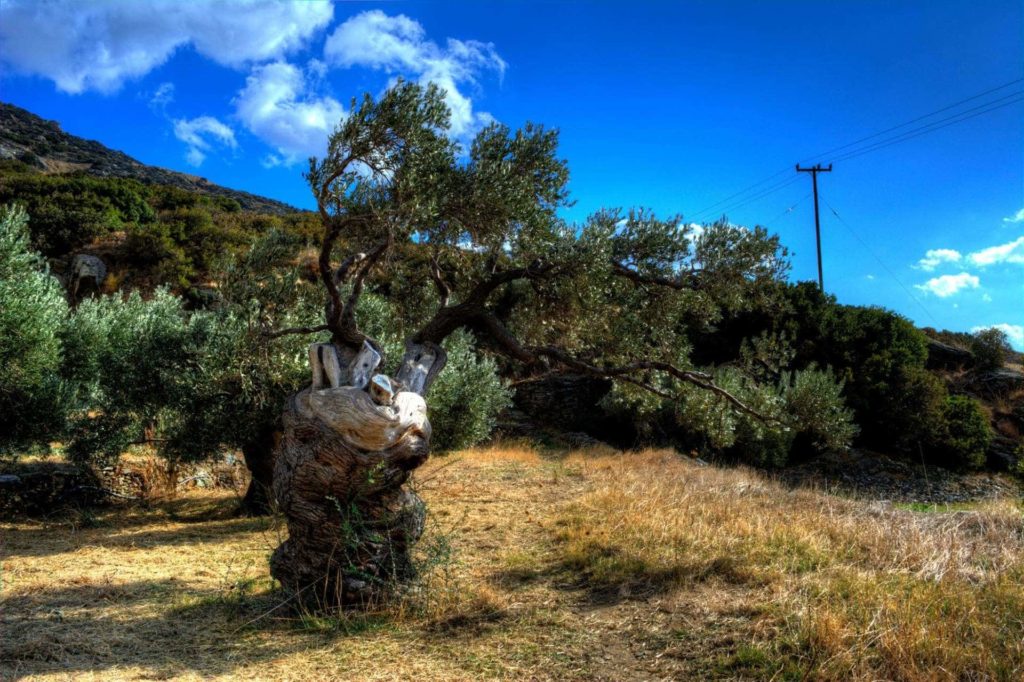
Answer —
420 366
382 390
340 468
363 365
326 366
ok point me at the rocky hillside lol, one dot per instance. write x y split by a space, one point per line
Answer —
41 143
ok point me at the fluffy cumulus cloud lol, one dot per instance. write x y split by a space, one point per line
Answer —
1014 332
947 285
200 133
1017 217
98 46
398 45
935 257
278 106
1011 252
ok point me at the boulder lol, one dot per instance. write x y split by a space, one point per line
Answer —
994 383
944 356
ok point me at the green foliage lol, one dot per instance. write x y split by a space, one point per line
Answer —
128 358
467 396
68 211
815 404
991 348
966 435
33 399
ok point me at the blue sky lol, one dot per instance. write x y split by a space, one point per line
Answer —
671 106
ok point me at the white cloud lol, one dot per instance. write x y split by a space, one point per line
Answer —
947 285
1014 332
163 96
195 157
398 45
1017 217
99 45
1011 252
869 277
197 134
277 106
935 257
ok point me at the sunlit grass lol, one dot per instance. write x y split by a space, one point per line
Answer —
580 565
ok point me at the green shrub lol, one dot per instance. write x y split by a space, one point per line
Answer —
130 360
154 249
967 434
68 211
33 399
465 400
814 402
990 347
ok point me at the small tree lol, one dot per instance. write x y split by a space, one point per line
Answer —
990 347
612 298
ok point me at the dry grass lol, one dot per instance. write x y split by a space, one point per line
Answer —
591 565
850 590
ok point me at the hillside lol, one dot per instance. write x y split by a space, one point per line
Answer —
588 565
42 144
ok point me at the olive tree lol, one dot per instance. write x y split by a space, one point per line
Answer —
472 240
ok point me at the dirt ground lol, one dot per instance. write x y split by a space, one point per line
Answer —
181 590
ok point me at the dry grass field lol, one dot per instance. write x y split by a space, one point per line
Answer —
587 565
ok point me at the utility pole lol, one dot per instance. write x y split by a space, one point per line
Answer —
814 170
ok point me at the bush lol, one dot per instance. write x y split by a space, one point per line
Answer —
814 402
129 359
33 400
966 435
68 211
467 397
990 347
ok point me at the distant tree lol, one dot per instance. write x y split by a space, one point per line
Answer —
991 348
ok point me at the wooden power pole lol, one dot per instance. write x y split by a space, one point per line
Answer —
814 170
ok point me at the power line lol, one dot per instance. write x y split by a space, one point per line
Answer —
723 205
742 191
760 195
885 267
789 210
931 127
914 120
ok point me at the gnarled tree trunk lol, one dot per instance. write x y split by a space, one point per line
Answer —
259 459
340 467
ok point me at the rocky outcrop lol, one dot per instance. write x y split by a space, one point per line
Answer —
944 356
993 383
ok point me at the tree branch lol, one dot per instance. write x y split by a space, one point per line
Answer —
443 290
296 330
450 317
530 355
656 280
699 379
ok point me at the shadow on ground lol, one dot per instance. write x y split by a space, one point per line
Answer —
209 632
